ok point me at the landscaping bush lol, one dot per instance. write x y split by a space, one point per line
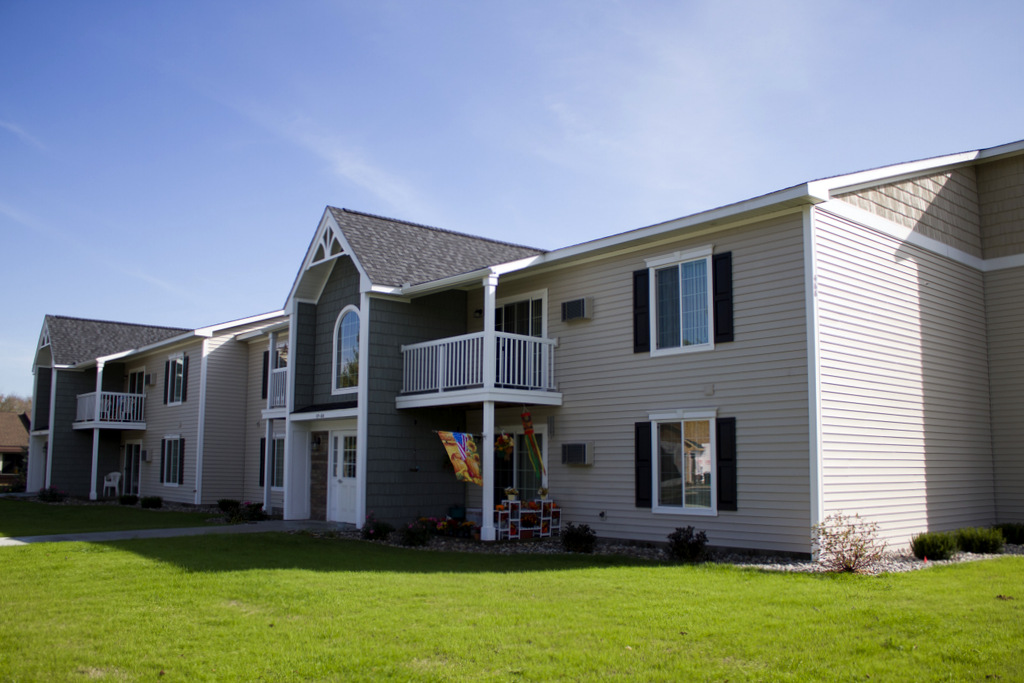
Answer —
151 502
375 529
128 499
980 540
1013 532
847 544
578 538
935 545
243 513
52 495
685 544
229 506
417 533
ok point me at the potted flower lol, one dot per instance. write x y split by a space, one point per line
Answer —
511 493
543 492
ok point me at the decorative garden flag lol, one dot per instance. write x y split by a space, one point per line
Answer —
464 456
531 444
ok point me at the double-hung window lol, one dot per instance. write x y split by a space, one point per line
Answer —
277 463
176 379
681 300
684 462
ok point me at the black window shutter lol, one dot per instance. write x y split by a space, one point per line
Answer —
163 458
184 380
725 435
642 465
167 380
266 368
721 283
181 461
641 311
263 455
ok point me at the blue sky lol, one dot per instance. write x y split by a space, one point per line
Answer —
166 162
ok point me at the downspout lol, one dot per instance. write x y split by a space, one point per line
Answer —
813 368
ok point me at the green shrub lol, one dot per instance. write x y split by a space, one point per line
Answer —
578 538
52 495
151 502
128 499
685 544
847 544
229 506
244 512
417 533
934 545
375 529
980 540
1013 532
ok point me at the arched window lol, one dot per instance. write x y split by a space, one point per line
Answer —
346 351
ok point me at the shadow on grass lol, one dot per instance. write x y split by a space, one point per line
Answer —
19 518
274 550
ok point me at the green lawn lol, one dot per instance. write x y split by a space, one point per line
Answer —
292 607
32 518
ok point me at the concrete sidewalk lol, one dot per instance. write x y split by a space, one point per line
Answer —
103 536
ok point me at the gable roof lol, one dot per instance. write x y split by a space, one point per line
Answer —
394 252
75 340
13 432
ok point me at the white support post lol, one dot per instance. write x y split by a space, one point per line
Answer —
490 338
93 482
487 532
266 465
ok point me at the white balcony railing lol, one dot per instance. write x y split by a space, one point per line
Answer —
114 408
455 363
278 394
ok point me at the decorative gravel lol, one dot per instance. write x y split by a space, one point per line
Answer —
893 562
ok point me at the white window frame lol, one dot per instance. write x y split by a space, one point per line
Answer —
335 389
276 453
165 460
680 417
176 360
677 259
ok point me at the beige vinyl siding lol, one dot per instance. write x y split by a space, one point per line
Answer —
904 383
1006 359
943 206
1001 193
760 379
225 423
166 420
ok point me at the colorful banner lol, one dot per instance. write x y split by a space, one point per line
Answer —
464 456
531 444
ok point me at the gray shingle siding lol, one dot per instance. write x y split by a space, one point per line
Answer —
303 363
341 290
41 399
406 471
70 469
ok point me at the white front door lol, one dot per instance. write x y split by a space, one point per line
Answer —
342 479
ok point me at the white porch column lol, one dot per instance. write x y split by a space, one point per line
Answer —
270 371
266 464
487 532
93 494
490 339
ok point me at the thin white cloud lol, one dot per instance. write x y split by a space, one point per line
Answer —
22 134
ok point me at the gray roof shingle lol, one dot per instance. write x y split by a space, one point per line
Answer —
395 253
74 340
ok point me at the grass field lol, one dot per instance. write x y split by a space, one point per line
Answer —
32 518
279 607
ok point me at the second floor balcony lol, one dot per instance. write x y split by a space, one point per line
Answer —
454 371
110 410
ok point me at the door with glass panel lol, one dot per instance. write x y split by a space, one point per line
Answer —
342 477
130 472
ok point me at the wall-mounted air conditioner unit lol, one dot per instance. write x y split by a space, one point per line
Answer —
578 453
577 309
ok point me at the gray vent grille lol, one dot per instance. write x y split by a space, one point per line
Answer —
577 309
577 453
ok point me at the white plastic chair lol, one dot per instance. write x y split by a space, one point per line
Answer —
111 481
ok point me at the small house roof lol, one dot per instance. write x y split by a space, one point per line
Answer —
76 340
13 432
